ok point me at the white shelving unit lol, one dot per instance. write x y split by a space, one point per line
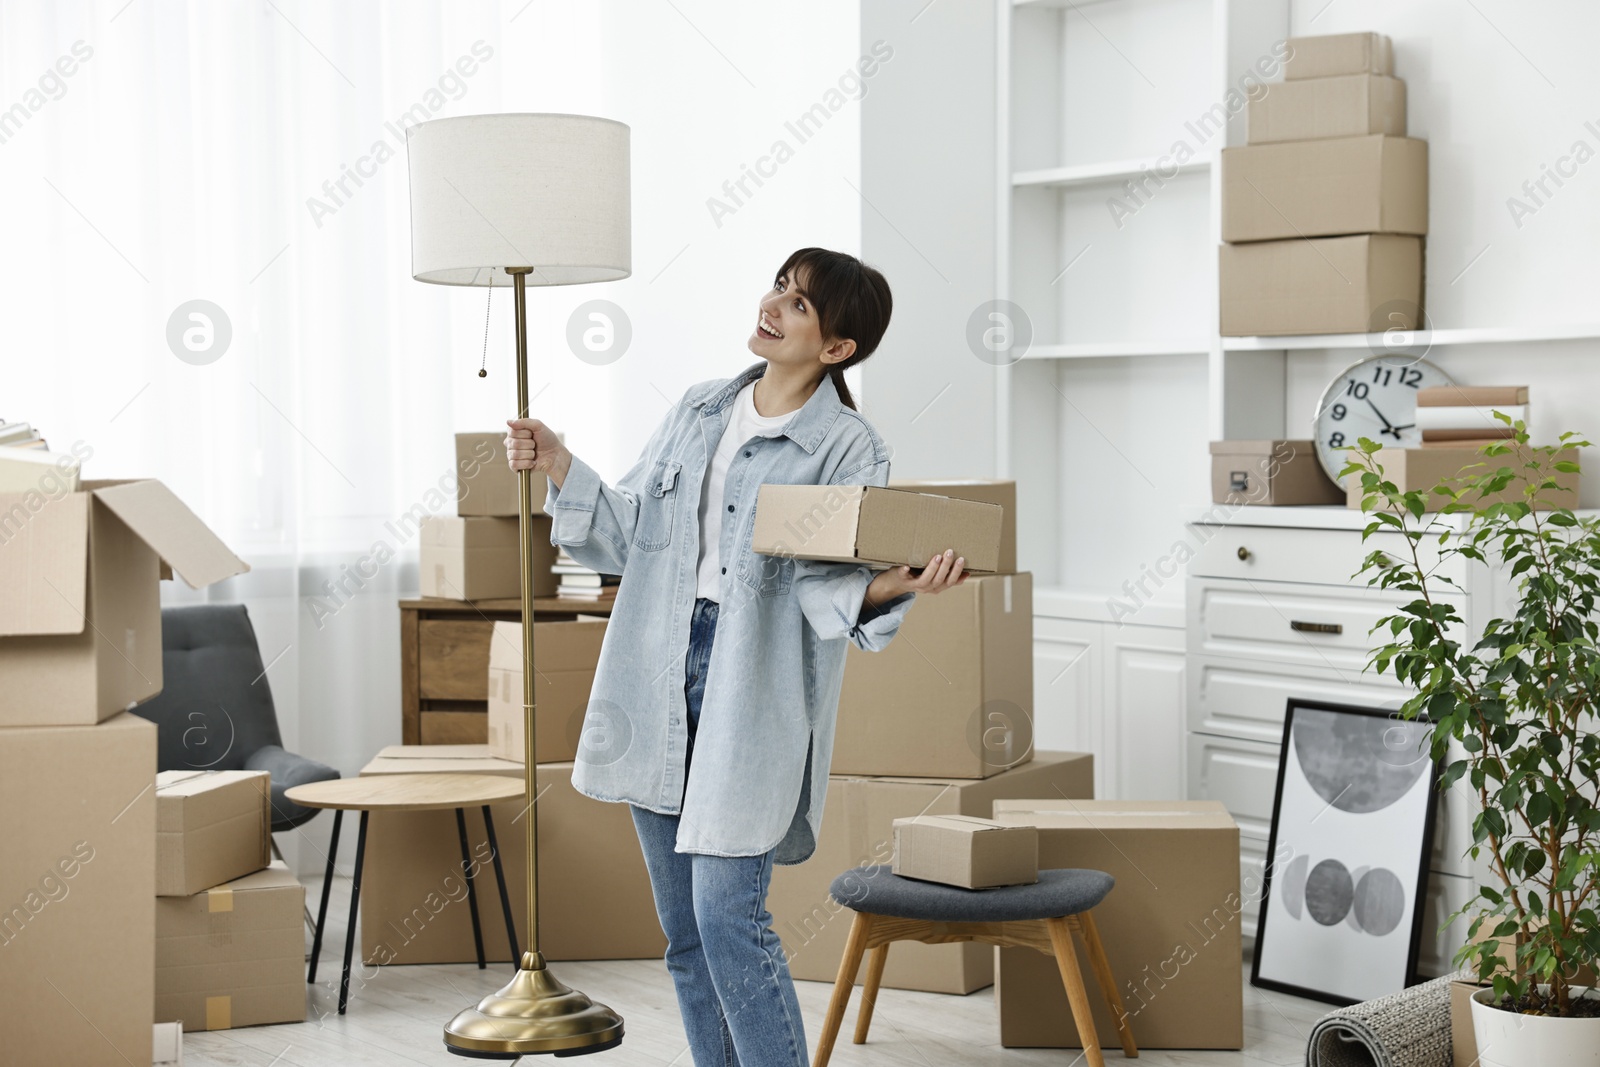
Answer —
1108 218
1040 113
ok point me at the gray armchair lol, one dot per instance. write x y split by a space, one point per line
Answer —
215 708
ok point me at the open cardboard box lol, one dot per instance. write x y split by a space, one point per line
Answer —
80 599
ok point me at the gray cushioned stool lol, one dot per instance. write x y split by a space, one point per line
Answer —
1040 916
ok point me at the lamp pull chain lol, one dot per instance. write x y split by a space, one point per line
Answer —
482 371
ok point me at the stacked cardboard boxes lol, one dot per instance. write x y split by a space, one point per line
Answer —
952 695
230 942
938 723
566 654
80 642
474 554
595 900
1324 210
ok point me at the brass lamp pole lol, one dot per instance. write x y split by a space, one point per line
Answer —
548 194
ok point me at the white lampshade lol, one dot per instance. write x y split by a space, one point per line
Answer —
549 192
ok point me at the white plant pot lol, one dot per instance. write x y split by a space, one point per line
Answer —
1506 1039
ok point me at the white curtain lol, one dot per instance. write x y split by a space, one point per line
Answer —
250 153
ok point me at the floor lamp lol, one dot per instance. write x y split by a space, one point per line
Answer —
523 200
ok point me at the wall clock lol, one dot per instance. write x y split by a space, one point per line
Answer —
1377 398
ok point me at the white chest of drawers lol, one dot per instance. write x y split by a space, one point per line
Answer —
1275 611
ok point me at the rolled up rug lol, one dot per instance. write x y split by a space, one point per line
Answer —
1410 1028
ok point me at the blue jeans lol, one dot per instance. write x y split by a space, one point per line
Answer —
734 991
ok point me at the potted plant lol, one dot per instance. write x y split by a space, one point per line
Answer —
1522 703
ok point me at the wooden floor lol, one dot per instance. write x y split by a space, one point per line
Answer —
397 1017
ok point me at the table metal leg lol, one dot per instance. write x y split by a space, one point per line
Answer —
505 896
355 904
472 892
322 910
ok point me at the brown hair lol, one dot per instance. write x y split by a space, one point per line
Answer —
852 301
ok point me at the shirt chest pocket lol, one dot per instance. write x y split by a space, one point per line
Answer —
767 575
657 507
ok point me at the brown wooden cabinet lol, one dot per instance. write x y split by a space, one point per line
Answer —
444 662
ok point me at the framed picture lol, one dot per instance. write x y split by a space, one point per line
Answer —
1352 829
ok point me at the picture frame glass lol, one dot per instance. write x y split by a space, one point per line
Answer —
1352 829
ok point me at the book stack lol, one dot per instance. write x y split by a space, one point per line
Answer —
580 582
1463 416
27 465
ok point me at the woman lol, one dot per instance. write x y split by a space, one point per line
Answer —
755 708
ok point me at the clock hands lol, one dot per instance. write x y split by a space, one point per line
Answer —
1392 430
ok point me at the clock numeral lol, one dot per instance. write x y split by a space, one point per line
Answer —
1357 390
1381 375
1336 441
1411 376
1338 412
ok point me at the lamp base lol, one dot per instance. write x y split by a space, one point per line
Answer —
534 1014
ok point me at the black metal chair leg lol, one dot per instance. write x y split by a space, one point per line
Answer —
505 896
472 892
355 904
322 910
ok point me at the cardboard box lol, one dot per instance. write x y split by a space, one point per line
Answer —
77 893
1170 926
1324 285
595 901
480 558
80 603
233 955
858 829
966 851
1002 492
485 484
1345 185
1352 105
952 695
1270 473
211 827
1334 54
1463 1039
875 525
565 656
1424 468
1507 954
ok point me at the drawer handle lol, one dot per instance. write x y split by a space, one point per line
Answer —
1316 627
1243 554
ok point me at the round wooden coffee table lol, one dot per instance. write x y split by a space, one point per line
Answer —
407 792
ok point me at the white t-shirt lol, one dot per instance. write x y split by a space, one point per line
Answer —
743 423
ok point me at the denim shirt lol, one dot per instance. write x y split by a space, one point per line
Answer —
765 737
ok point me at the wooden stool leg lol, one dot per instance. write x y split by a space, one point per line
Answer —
853 950
869 992
1077 995
1108 982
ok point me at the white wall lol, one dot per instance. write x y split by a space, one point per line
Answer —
1502 92
183 154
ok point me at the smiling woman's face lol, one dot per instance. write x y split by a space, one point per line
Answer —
786 328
